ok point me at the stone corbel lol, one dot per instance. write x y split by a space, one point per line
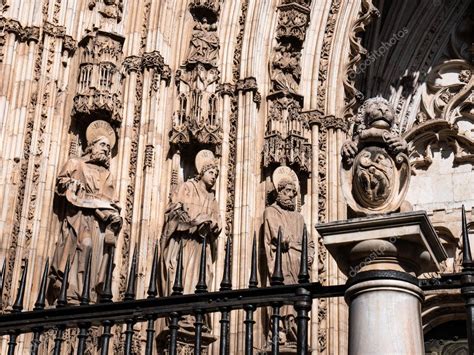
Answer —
293 20
226 89
69 45
131 64
23 34
250 84
54 30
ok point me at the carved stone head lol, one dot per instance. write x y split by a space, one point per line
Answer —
377 112
286 184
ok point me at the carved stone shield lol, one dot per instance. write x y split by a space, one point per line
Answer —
376 181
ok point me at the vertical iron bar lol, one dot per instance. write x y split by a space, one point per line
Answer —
2 278
226 284
18 306
177 290
249 322
276 279
277 276
58 341
201 285
173 333
39 305
85 299
62 299
106 297
198 336
250 309
152 292
303 306
150 335
130 296
12 343
82 338
275 329
467 282
35 342
106 335
62 302
128 337
303 276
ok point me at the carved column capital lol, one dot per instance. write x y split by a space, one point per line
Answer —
153 60
249 84
69 45
327 122
53 30
132 63
226 89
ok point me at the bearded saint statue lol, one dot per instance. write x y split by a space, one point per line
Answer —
282 214
91 221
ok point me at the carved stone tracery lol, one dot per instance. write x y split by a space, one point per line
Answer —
196 119
99 82
287 131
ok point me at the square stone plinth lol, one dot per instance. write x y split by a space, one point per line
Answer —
399 241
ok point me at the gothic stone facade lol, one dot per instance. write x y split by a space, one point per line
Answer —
261 84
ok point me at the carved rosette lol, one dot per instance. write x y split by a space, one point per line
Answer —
99 82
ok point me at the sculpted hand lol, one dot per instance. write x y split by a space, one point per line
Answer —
76 186
349 149
396 144
204 229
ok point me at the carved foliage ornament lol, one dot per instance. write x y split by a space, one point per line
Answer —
375 166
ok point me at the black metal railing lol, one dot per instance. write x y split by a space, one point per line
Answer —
106 313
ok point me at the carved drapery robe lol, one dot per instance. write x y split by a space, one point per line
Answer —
291 223
191 205
84 224
204 46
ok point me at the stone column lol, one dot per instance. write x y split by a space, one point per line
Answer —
381 256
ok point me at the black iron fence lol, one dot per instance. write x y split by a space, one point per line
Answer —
106 313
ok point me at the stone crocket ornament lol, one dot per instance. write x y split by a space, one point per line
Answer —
375 170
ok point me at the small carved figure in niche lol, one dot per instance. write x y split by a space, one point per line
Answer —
283 214
191 217
204 43
375 165
92 219
285 70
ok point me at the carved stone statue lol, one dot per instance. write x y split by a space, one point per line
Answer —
91 220
283 214
375 166
204 45
285 69
191 217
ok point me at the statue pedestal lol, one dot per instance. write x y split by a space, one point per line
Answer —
381 256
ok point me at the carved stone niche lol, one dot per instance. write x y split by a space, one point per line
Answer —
293 20
286 137
196 118
375 169
208 9
99 83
